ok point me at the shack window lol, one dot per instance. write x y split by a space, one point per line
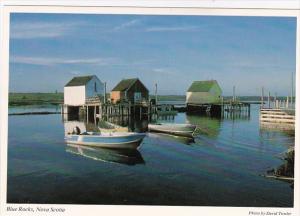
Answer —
137 96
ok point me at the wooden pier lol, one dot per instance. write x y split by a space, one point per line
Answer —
94 108
277 114
277 118
221 109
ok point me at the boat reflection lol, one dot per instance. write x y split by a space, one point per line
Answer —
122 156
173 138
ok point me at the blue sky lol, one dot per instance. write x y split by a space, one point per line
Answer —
47 50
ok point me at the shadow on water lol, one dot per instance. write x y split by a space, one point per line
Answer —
124 156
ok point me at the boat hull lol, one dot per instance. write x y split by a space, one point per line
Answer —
185 130
131 141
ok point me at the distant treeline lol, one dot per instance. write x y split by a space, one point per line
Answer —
20 99
226 98
169 97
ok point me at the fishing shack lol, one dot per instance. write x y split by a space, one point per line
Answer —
204 96
204 92
130 90
82 92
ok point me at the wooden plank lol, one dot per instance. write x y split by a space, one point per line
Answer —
277 116
278 120
281 126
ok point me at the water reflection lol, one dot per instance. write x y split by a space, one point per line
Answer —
209 126
95 125
124 156
172 138
222 168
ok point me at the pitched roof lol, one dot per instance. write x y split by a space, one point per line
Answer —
124 84
79 81
202 86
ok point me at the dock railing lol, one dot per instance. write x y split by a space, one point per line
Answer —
276 113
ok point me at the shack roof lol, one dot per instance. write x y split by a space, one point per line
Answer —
79 81
202 86
124 84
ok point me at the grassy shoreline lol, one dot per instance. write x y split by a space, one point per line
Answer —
22 99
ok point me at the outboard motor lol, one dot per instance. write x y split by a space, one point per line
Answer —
76 130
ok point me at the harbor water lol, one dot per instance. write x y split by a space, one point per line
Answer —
223 166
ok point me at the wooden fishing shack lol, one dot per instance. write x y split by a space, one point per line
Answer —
129 90
206 97
81 93
86 96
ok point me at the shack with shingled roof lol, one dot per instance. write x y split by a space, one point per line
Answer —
204 92
82 88
129 90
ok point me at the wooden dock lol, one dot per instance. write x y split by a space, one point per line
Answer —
277 114
94 108
221 109
277 118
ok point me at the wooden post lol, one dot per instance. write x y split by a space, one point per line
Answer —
292 90
141 112
233 94
287 102
156 99
279 103
104 98
249 110
269 101
262 97
100 112
87 113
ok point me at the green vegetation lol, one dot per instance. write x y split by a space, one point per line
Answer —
21 99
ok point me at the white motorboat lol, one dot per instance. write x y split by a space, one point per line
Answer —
120 140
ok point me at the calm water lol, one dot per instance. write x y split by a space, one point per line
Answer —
221 168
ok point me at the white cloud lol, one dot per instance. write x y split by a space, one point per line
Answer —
49 61
171 28
75 72
127 25
164 71
31 30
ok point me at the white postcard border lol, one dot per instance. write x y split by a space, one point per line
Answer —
132 210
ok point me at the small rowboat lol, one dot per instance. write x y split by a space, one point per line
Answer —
185 130
120 140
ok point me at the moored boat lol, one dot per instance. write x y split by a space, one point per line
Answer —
185 130
120 140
